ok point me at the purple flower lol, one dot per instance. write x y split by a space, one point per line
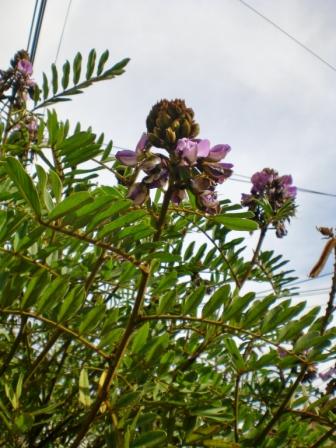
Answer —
289 189
138 192
246 199
218 152
127 157
132 158
260 179
328 374
157 178
208 201
218 171
25 67
201 183
191 149
142 143
178 196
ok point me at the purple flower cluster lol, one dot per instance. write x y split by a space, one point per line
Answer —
192 165
18 79
277 191
328 375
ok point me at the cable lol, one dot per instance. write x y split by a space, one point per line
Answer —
63 30
35 35
32 25
246 179
302 45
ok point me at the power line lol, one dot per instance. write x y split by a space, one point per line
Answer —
35 29
246 180
302 45
63 30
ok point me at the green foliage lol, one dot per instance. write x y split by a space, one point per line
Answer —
138 326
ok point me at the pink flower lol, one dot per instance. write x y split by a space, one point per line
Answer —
25 67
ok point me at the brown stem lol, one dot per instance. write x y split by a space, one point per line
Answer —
132 324
61 327
324 437
281 409
95 268
14 346
236 408
52 340
262 235
330 306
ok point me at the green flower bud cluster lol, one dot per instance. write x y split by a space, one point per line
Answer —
169 121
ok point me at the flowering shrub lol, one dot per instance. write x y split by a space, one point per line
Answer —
271 199
121 329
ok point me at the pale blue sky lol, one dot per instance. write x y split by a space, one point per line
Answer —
249 85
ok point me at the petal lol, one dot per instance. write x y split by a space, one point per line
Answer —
25 67
127 157
141 145
286 179
190 154
218 152
203 148
138 192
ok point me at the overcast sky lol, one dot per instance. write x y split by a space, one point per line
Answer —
249 85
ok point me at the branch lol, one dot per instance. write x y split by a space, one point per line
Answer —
133 321
61 327
83 237
225 326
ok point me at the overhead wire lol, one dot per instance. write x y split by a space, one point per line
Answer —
287 34
35 31
246 179
63 30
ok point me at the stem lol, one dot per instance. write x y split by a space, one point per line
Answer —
52 340
236 408
262 235
281 409
132 324
14 346
324 437
330 305
95 268
61 327
230 328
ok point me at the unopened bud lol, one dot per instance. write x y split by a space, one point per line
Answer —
185 129
171 136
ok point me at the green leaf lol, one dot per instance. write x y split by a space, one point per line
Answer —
52 294
239 224
35 288
84 388
309 340
102 61
191 303
216 301
91 319
128 399
70 204
45 86
56 185
126 219
66 74
91 63
140 338
237 306
43 178
72 303
236 357
150 439
77 68
23 183
54 78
